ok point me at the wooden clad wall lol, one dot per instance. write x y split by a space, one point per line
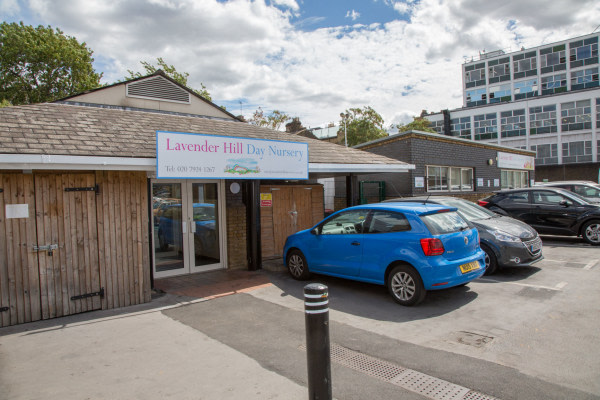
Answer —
293 208
123 238
101 239
19 270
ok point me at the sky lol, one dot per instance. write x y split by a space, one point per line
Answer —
311 59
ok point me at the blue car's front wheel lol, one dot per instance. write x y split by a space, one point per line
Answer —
405 285
297 266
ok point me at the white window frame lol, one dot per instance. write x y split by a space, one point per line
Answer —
448 186
523 178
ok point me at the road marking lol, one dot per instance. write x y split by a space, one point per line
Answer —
589 265
561 285
556 288
586 267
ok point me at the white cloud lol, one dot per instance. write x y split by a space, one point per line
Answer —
354 15
250 50
291 4
9 7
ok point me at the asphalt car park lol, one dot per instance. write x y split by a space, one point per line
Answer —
541 320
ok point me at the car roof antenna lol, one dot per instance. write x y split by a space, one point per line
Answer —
427 199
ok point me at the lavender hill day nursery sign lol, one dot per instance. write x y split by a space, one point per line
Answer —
192 155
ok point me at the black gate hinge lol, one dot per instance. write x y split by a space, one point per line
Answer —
2 309
95 188
85 296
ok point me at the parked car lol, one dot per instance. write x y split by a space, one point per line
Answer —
205 236
548 210
507 242
408 247
586 189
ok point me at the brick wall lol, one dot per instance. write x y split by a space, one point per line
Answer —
568 172
236 229
422 151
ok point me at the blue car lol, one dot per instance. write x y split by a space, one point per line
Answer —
204 229
408 247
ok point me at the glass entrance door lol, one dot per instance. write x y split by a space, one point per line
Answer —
204 227
187 236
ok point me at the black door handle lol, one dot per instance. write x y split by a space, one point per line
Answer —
355 244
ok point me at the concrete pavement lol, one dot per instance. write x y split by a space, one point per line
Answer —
133 353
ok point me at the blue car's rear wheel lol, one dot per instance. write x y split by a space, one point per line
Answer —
405 285
297 266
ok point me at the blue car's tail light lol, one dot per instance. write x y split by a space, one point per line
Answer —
432 247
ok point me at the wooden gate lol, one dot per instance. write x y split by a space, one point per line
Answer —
292 209
49 244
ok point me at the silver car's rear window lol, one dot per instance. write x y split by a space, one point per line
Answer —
444 222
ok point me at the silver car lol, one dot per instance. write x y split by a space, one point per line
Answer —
507 242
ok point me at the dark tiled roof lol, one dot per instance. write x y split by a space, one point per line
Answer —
61 129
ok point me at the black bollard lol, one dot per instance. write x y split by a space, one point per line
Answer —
318 356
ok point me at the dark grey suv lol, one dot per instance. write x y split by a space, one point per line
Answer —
505 240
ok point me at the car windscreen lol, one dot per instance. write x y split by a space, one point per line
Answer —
444 222
468 210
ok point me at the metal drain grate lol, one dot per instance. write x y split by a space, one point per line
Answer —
429 386
409 379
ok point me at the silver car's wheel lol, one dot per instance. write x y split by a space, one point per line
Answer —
491 263
591 232
296 263
405 285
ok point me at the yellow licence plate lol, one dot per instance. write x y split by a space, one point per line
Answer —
472 266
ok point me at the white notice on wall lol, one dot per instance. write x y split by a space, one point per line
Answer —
17 211
419 182
496 182
480 182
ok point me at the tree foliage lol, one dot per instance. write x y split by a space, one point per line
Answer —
171 72
418 124
273 120
294 126
42 64
362 125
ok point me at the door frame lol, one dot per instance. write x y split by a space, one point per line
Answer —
188 257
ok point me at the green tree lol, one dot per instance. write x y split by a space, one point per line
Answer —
362 125
418 124
41 64
171 72
273 121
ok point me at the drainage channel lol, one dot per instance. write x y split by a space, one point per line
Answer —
405 378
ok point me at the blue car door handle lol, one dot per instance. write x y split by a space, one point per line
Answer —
355 243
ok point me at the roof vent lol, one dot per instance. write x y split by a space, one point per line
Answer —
158 88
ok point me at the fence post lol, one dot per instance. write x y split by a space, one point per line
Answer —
318 357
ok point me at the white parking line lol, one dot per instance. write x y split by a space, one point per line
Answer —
561 285
557 288
589 265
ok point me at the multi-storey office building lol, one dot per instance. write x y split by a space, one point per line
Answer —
545 99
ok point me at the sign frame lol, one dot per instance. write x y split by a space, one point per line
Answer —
188 155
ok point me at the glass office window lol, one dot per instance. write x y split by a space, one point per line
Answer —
576 115
500 93
461 127
546 154
512 123
584 79
542 119
576 152
485 126
443 179
554 84
526 89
